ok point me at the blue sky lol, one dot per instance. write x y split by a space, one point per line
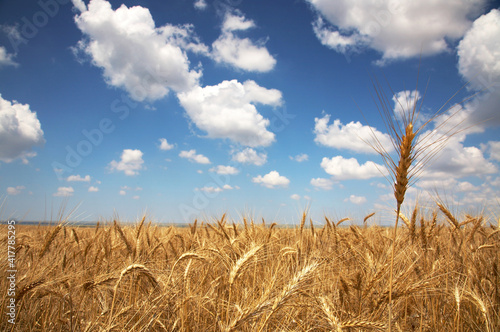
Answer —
190 108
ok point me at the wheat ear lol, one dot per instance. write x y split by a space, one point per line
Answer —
297 283
406 156
129 269
49 239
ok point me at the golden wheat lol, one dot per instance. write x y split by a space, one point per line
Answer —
266 278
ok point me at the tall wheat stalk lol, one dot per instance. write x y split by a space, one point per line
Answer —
413 150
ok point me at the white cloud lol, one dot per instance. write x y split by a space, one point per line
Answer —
192 156
307 198
80 5
496 182
136 197
300 157
398 29
466 187
271 180
404 101
494 150
210 189
322 183
335 40
295 197
164 145
15 190
227 110
234 22
358 200
472 200
78 178
443 183
93 189
122 192
20 130
347 169
241 53
64 192
200 4
130 163
6 59
352 136
135 55
479 51
250 156
456 160
221 169
479 63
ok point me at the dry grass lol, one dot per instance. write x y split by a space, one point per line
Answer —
240 276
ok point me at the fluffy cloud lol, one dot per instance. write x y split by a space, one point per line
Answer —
479 63
234 22
335 40
78 178
322 183
456 160
404 101
444 183
135 55
494 149
271 180
300 157
495 182
64 192
250 156
15 190
398 29
20 130
164 145
227 110
295 197
352 136
479 51
211 189
358 200
221 169
241 53
130 162
200 4
347 169
192 156
93 189
6 59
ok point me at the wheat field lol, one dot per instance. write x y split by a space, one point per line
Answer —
223 275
